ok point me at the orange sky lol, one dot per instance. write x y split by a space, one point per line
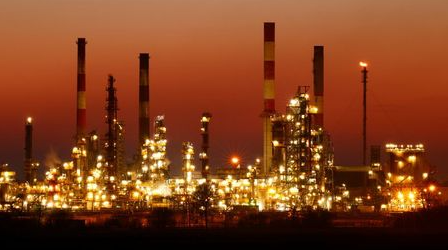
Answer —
207 56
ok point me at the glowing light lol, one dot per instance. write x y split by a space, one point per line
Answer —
205 119
294 190
29 120
294 102
313 110
90 196
363 64
135 195
432 188
75 150
50 204
411 196
235 160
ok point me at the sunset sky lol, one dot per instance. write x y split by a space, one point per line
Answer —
208 56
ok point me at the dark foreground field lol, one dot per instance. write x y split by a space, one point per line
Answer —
425 230
341 238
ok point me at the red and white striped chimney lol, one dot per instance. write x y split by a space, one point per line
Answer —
81 122
269 68
143 102
268 94
318 73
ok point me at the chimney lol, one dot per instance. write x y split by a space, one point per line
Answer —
318 73
269 68
144 131
30 167
81 88
268 94
364 113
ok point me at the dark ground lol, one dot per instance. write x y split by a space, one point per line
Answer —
337 238
427 230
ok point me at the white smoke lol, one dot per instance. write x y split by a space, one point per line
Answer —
52 159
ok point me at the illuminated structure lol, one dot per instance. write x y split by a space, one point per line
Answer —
188 166
154 164
302 151
7 187
203 156
111 144
93 149
409 178
298 149
121 152
295 173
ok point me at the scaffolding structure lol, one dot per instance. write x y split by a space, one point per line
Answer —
110 145
155 164
302 156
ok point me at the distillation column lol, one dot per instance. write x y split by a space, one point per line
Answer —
203 156
111 120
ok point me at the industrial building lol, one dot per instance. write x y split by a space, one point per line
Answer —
296 173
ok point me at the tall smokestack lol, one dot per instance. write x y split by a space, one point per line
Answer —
268 94
318 73
364 113
30 168
144 131
81 88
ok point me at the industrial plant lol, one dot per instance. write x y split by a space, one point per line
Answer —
296 173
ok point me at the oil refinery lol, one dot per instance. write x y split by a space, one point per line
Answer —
295 174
